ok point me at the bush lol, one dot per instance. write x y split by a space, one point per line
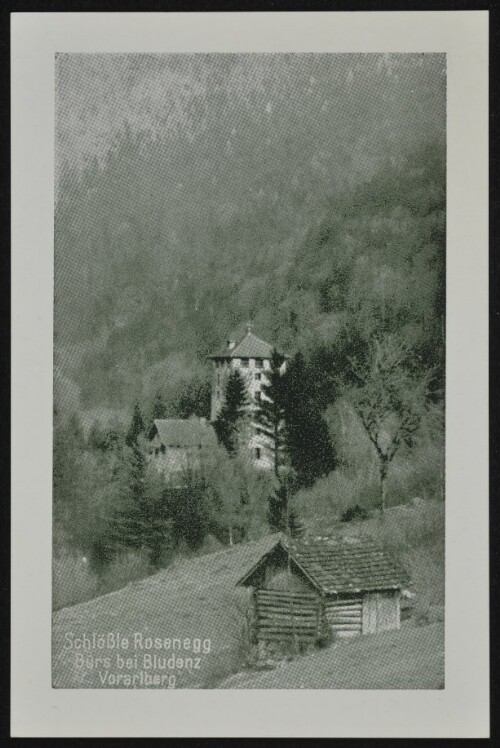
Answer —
321 506
353 513
416 525
353 491
210 545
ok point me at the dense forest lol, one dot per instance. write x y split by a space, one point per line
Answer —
347 276
144 322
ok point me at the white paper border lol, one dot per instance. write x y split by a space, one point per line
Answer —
462 708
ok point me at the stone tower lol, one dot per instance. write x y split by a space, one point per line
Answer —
252 356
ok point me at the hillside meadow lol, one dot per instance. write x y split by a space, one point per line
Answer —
196 599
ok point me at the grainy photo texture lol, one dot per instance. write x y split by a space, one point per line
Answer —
249 371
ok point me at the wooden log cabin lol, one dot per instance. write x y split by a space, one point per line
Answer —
305 591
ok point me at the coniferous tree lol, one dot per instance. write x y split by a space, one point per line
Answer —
136 427
194 398
137 465
141 521
156 524
270 415
128 527
282 515
126 524
68 448
307 438
276 509
159 409
188 509
233 412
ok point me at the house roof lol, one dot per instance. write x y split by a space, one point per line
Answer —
336 565
191 432
250 346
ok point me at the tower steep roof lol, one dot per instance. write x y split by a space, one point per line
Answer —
250 346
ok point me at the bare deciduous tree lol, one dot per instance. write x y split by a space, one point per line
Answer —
390 400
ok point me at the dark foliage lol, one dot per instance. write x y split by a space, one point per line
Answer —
308 441
159 409
281 514
277 510
137 427
233 412
188 510
194 399
371 265
353 513
271 413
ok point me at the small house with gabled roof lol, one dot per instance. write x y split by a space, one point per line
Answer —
177 445
305 590
252 357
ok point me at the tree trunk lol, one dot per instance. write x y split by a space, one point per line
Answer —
276 452
231 541
383 475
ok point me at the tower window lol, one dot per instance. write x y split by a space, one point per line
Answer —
257 453
244 362
162 449
258 363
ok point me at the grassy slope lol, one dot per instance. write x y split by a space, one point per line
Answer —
412 658
192 598
197 598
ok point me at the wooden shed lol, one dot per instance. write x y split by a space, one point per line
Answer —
305 590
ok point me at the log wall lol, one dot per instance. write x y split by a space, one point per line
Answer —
344 615
281 616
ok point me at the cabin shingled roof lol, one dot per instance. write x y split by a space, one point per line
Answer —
250 346
341 565
191 432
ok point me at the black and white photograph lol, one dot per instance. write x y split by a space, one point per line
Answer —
249 379
249 371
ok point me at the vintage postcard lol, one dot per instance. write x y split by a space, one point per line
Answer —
251 371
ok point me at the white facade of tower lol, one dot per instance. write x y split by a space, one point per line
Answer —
254 370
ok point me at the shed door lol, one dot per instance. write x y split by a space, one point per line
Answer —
381 611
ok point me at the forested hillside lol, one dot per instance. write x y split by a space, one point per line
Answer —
302 194
307 197
145 319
